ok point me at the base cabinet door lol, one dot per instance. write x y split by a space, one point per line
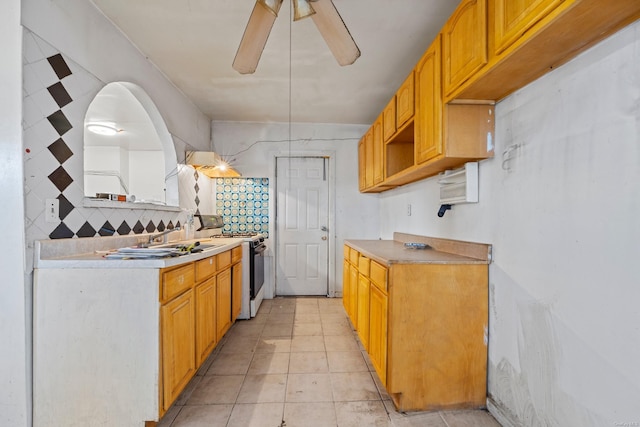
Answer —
378 332
223 291
236 291
178 345
353 295
346 290
206 333
363 310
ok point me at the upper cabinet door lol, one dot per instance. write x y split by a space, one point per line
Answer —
405 101
378 152
368 156
389 119
428 115
362 172
464 43
513 18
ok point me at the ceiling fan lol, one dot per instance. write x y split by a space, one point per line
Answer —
324 15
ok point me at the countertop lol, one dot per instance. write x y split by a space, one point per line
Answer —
87 257
388 252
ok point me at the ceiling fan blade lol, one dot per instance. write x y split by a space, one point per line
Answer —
335 32
255 36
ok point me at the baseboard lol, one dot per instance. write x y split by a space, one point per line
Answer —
501 414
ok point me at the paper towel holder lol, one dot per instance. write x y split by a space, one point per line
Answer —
459 185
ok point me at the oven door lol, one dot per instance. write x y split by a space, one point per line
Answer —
256 270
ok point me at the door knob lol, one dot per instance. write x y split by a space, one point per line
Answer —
324 237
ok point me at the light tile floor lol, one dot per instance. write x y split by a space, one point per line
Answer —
297 363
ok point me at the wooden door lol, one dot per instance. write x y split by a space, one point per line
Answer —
405 101
512 18
236 291
363 310
378 332
378 152
223 306
205 319
464 43
302 256
428 115
178 345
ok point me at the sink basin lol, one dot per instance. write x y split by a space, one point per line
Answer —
199 248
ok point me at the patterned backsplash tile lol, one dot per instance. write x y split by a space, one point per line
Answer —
243 204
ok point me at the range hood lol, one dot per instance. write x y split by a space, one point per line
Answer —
210 164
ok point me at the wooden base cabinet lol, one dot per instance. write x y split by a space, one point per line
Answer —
378 332
236 291
178 345
425 332
206 333
224 302
436 350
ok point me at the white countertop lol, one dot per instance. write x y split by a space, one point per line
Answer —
82 253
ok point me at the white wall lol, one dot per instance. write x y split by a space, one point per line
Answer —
14 359
562 215
251 149
81 32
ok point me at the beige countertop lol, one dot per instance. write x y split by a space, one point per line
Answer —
389 252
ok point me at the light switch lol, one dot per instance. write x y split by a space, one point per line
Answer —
409 209
52 210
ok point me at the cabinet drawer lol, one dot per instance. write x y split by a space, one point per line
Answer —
224 260
353 257
347 252
378 275
363 266
176 281
236 254
205 268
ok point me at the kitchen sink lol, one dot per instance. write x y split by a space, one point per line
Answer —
201 247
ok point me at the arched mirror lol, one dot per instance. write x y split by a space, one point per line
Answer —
128 150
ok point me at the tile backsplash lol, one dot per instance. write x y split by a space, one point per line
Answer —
243 204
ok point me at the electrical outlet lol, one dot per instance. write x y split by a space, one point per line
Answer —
409 209
52 210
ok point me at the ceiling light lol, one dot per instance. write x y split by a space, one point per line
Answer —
103 128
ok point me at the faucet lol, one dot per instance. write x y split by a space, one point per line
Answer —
164 234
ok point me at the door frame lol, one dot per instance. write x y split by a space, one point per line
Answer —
273 226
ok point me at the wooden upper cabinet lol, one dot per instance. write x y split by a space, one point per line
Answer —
512 18
405 101
464 43
378 152
368 155
361 165
428 116
389 120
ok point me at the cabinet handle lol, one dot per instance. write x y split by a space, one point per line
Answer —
210 261
181 280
